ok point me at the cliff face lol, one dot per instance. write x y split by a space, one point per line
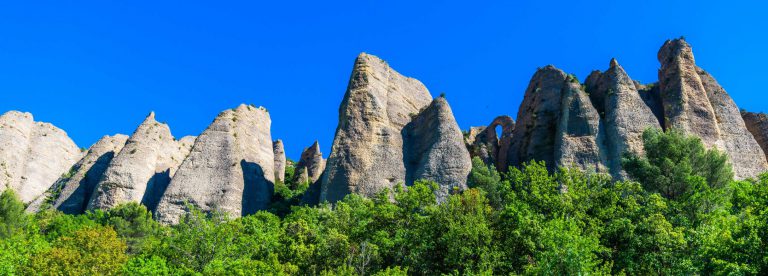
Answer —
33 155
142 169
558 124
229 169
391 131
696 104
434 150
74 190
367 152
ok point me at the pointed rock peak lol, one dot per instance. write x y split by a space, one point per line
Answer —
277 143
151 116
675 49
316 146
614 63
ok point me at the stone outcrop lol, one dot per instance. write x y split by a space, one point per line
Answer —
367 151
141 171
558 124
280 161
435 151
696 104
757 124
580 134
486 144
230 168
625 114
310 166
73 191
33 155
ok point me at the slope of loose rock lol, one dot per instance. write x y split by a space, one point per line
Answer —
366 155
33 155
230 168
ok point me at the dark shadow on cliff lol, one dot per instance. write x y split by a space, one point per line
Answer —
257 190
78 200
156 187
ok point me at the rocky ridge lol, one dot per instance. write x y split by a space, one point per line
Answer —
391 131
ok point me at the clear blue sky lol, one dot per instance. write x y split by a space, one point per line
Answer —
98 68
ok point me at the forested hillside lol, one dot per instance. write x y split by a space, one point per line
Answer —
681 213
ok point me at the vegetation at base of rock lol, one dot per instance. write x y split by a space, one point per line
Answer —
526 221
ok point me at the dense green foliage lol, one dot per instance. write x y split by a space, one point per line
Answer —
682 215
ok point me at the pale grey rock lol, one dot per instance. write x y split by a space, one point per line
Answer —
142 169
697 105
230 168
311 165
435 151
744 152
72 192
367 152
33 155
757 124
686 105
579 141
625 114
280 160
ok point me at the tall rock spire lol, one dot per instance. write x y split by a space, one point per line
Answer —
625 114
697 105
367 152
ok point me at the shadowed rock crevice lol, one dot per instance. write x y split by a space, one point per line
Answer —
257 190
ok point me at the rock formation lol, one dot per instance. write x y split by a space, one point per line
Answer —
310 166
33 155
280 161
141 171
72 192
696 104
544 117
367 150
434 150
625 115
757 124
484 142
230 168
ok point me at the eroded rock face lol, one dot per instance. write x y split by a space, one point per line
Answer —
435 151
33 155
484 142
311 165
142 169
686 105
367 150
757 124
536 130
280 160
74 190
625 114
696 104
230 168
579 141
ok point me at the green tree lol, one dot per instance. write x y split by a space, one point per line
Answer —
88 251
12 217
672 161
